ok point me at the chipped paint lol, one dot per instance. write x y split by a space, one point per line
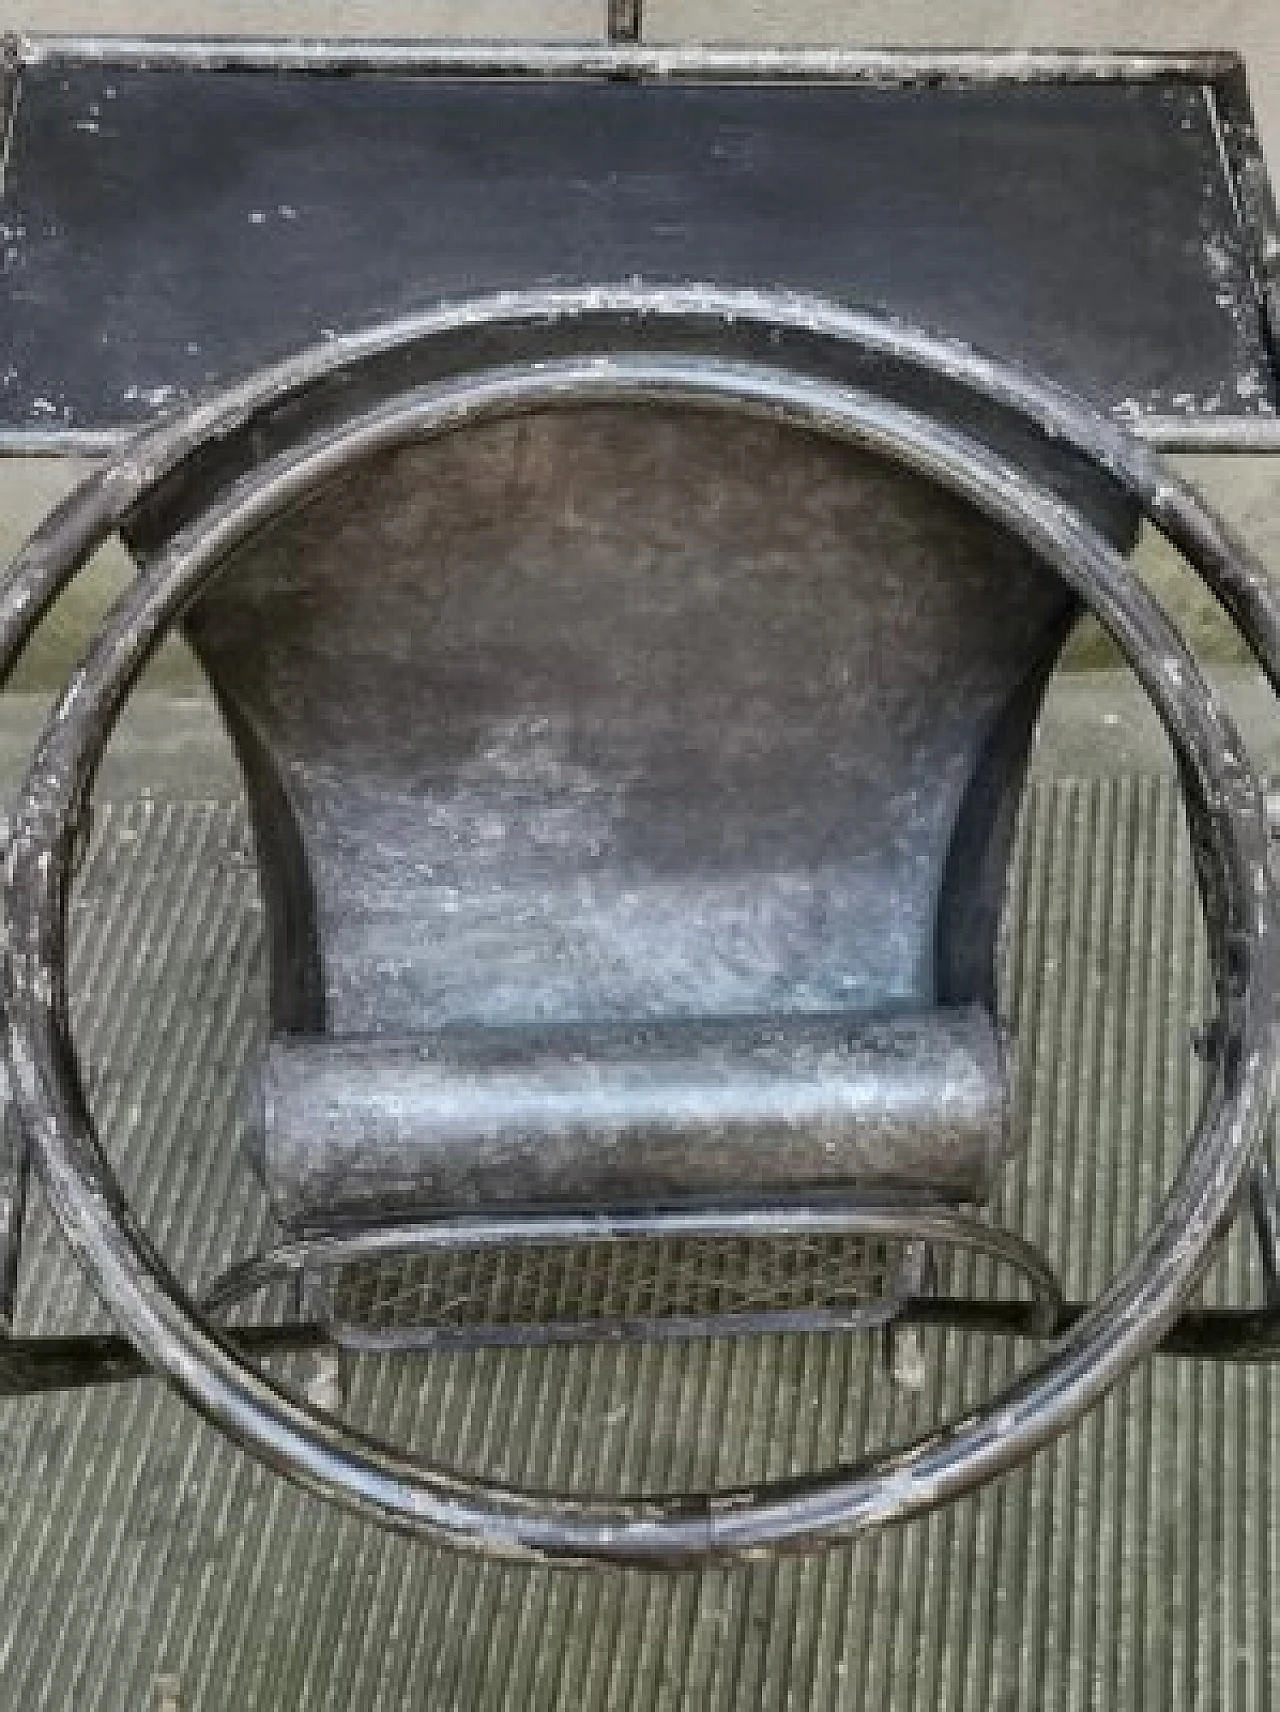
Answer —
1189 78
892 67
1145 1298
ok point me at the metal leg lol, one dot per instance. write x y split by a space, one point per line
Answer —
624 20
15 1170
325 1382
903 1346
1264 1206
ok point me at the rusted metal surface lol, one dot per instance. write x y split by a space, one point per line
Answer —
1223 802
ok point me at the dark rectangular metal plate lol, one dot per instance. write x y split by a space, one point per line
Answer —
167 229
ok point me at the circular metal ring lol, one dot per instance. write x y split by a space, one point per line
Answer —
1225 811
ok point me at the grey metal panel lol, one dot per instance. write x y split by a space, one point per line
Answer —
613 716
167 228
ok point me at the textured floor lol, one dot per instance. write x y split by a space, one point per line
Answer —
1134 1565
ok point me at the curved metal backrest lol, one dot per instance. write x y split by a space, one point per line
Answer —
618 715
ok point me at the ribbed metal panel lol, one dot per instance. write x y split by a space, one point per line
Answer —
1131 1566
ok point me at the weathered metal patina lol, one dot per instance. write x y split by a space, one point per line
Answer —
618 358
633 680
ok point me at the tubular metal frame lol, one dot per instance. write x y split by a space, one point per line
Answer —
749 352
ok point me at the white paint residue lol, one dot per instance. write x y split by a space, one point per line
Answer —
153 395
1218 257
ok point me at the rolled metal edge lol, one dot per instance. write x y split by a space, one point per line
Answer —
616 1115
